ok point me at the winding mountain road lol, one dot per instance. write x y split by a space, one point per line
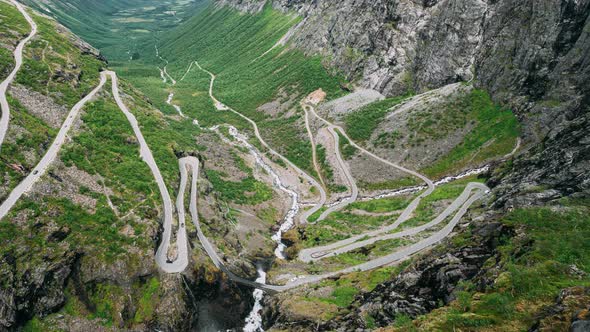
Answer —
181 262
472 192
354 190
222 107
50 154
18 59
317 253
314 153
175 266
351 243
462 203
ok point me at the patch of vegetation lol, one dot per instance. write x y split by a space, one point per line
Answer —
117 27
269 215
285 134
381 205
13 25
341 225
317 214
367 253
361 124
426 210
346 149
494 132
387 140
345 288
6 63
104 298
327 171
63 71
390 184
148 292
248 191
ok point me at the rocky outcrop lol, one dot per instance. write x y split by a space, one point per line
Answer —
534 57
427 283
557 167
36 290
531 55
571 312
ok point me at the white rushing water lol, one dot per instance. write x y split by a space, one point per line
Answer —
254 319
289 219
437 183
176 107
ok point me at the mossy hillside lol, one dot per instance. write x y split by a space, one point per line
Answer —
13 24
361 124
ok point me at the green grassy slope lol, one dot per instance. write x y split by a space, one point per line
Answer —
494 134
117 26
230 44
13 27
